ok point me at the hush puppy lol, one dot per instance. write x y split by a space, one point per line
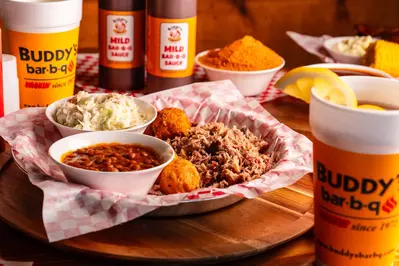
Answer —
179 176
170 123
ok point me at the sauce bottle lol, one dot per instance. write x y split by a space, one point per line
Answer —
121 44
171 40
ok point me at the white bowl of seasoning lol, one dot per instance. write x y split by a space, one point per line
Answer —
136 182
249 83
148 109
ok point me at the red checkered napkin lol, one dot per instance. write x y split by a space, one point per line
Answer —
87 78
70 209
313 45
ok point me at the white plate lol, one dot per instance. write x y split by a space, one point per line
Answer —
186 207
350 70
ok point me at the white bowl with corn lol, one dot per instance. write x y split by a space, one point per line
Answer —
371 52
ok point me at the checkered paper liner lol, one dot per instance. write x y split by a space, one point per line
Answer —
71 210
312 45
87 78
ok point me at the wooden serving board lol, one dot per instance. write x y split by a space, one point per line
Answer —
246 228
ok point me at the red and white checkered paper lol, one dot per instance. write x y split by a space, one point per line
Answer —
312 45
70 209
87 78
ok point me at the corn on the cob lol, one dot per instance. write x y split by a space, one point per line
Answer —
383 55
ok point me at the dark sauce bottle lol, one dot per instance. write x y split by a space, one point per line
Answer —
122 44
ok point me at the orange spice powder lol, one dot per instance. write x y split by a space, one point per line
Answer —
246 54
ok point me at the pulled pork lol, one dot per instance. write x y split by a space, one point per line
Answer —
224 156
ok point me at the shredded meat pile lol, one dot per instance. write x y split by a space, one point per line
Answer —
224 156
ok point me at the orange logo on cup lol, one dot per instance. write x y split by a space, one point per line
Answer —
71 66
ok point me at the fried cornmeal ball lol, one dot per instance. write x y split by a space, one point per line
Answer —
170 123
159 177
179 176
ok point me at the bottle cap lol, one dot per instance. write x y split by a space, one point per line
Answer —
33 15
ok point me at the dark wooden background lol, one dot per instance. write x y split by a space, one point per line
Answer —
223 21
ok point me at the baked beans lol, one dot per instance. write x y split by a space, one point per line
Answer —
112 157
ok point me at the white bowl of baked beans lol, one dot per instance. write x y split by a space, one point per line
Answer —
124 162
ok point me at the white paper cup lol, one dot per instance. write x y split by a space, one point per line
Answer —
43 35
356 170
10 84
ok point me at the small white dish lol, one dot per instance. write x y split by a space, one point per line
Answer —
350 70
137 183
339 56
148 109
250 83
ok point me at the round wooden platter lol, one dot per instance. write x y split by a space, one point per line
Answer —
243 229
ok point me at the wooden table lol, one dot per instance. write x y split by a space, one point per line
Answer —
14 246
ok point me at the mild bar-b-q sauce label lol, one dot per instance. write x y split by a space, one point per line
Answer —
172 50
356 207
46 64
119 47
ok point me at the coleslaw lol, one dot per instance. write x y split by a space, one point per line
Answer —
102 112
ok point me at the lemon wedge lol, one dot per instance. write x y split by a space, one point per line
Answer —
327 85
371 107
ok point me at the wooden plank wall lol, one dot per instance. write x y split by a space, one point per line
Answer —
223 21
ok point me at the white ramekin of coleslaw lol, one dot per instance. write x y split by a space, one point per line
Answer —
87 112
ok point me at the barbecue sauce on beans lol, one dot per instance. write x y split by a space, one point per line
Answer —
112 157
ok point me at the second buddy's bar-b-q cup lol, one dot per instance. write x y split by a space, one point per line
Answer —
356 176
43 35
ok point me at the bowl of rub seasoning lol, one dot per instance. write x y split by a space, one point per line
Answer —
121 162
247 62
